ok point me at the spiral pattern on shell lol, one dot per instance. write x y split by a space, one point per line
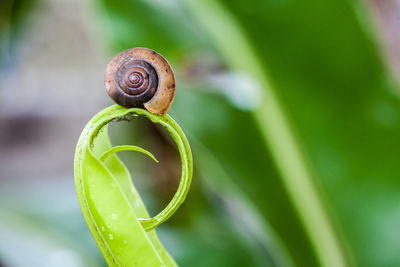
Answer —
140 77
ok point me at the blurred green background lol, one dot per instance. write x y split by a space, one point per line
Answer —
291 108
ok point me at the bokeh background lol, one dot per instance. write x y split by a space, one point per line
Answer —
291 108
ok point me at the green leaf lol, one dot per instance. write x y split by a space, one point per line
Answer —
112 207
154 24
277 133
339 111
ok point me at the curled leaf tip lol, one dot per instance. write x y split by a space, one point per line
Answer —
111 205
116 149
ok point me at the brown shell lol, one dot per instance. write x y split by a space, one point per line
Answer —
140 77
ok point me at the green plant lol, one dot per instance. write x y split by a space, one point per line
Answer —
112 207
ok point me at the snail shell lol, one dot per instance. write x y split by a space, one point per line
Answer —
140 77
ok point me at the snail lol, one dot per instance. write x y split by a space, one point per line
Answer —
141 77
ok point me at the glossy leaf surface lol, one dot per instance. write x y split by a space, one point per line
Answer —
110 203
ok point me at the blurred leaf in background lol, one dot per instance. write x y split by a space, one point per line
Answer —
12 19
